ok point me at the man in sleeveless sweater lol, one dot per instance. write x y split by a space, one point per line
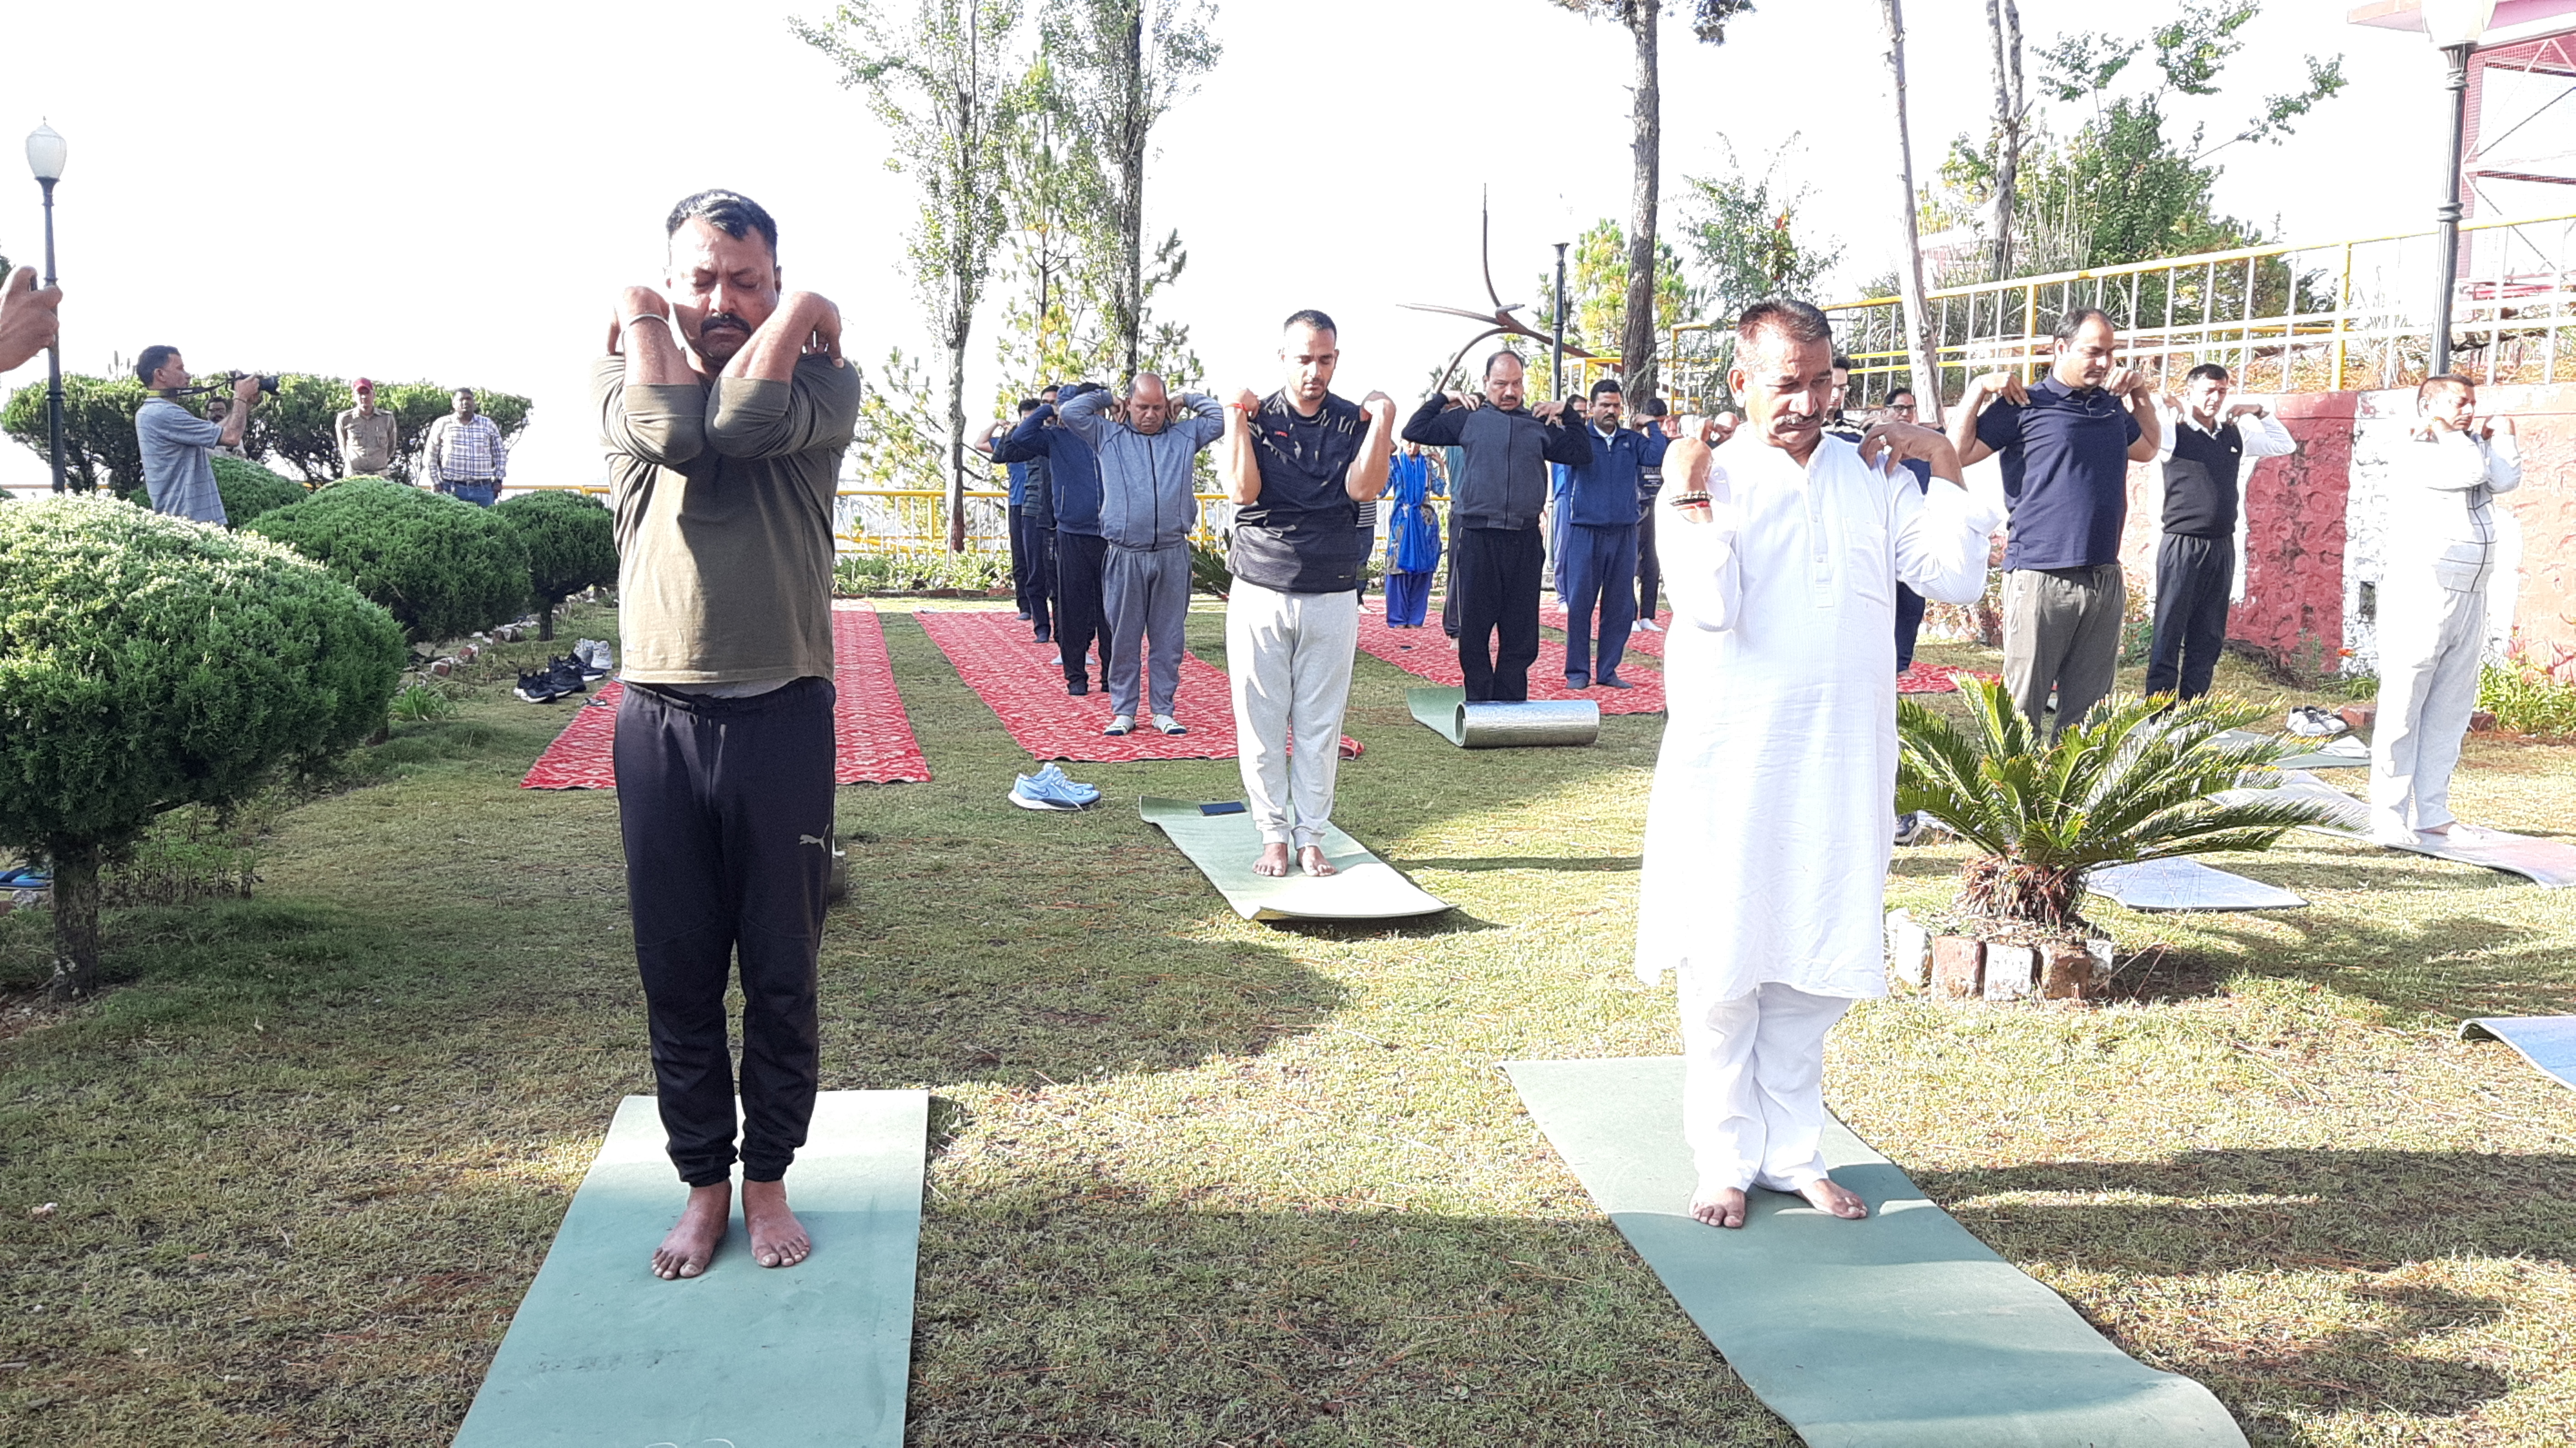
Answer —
2202 463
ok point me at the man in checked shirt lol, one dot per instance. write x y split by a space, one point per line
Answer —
466 457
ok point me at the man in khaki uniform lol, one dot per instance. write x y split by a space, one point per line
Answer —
367 437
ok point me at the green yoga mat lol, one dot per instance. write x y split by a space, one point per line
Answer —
1447 713
1224 846
604 1352
1900 1331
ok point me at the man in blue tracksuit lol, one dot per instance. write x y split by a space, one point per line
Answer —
1148 504
1073 483
1603 500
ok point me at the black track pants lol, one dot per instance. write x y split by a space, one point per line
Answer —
726 808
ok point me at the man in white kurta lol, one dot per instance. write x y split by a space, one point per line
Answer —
1767 835
2438 561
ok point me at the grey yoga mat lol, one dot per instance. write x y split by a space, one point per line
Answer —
2550 864
2186 885
1447 713
603 1352
1223 842
1900 1331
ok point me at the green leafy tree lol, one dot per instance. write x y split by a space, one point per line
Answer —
249 490
2127 182
1741 235
148 663
946 92
2135 780
444 568
1642 266
99 447
572 545
1119 66
1597 291
1050 325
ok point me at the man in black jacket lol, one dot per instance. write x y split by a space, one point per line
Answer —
1494 505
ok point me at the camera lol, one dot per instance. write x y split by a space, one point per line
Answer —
266 384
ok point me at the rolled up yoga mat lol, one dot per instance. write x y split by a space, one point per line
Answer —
1447 713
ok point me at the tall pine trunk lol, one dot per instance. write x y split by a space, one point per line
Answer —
960 324
1131 216
1637 344
75 922
1909 271
2004 19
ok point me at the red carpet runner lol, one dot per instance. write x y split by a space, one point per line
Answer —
1008 669
1433 655
871 735
1552 614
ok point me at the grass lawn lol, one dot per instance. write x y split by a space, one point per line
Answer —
1198 1181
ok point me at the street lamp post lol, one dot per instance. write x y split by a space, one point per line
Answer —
2453 26
45 155
1556 343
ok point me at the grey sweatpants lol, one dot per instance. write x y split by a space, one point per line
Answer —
1290 658
2062 632
1146 593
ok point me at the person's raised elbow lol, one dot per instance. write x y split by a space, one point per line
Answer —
668 437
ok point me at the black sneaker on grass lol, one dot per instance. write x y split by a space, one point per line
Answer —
566 674
537 687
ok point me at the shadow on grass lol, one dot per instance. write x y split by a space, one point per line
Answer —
2361 1213
1572 864
2456 965
1076 1315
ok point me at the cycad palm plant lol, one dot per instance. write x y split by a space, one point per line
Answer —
2134 781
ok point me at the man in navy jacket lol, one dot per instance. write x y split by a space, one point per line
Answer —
1081 553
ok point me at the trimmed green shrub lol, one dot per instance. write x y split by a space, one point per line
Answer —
572 545
443 567
148 663
250 490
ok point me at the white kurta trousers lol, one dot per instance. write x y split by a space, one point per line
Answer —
1289 657
2431 642
1753 1085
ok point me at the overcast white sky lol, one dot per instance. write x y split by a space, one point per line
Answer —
453 192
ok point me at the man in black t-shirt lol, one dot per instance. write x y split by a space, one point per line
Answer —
1299 464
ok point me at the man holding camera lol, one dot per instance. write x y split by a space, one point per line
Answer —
179 446
466 457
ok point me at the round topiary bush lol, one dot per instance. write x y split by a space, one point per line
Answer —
147 662
572 545
443 567
250 490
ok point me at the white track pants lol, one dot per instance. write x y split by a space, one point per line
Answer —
1289 655
2430 645
1753 1086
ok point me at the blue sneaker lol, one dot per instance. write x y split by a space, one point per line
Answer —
1040 794
26 877
1079 792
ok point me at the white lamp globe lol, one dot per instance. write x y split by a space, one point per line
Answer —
46 151
2452 23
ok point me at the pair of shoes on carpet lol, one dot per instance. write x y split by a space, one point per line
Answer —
1122 725
1048 789
562 675
596 658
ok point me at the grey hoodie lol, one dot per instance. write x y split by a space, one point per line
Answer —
1148 484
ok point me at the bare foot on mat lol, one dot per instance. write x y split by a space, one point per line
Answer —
693 1239
1311 860
1273 861
777 1238
1827 1195
1719 1208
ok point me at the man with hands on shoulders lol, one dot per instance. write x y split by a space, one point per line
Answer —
1298 465
1496 545
2202 455
2066 442
725 407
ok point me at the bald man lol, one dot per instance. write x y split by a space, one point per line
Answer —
1148 504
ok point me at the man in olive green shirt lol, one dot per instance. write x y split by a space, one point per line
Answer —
725 406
